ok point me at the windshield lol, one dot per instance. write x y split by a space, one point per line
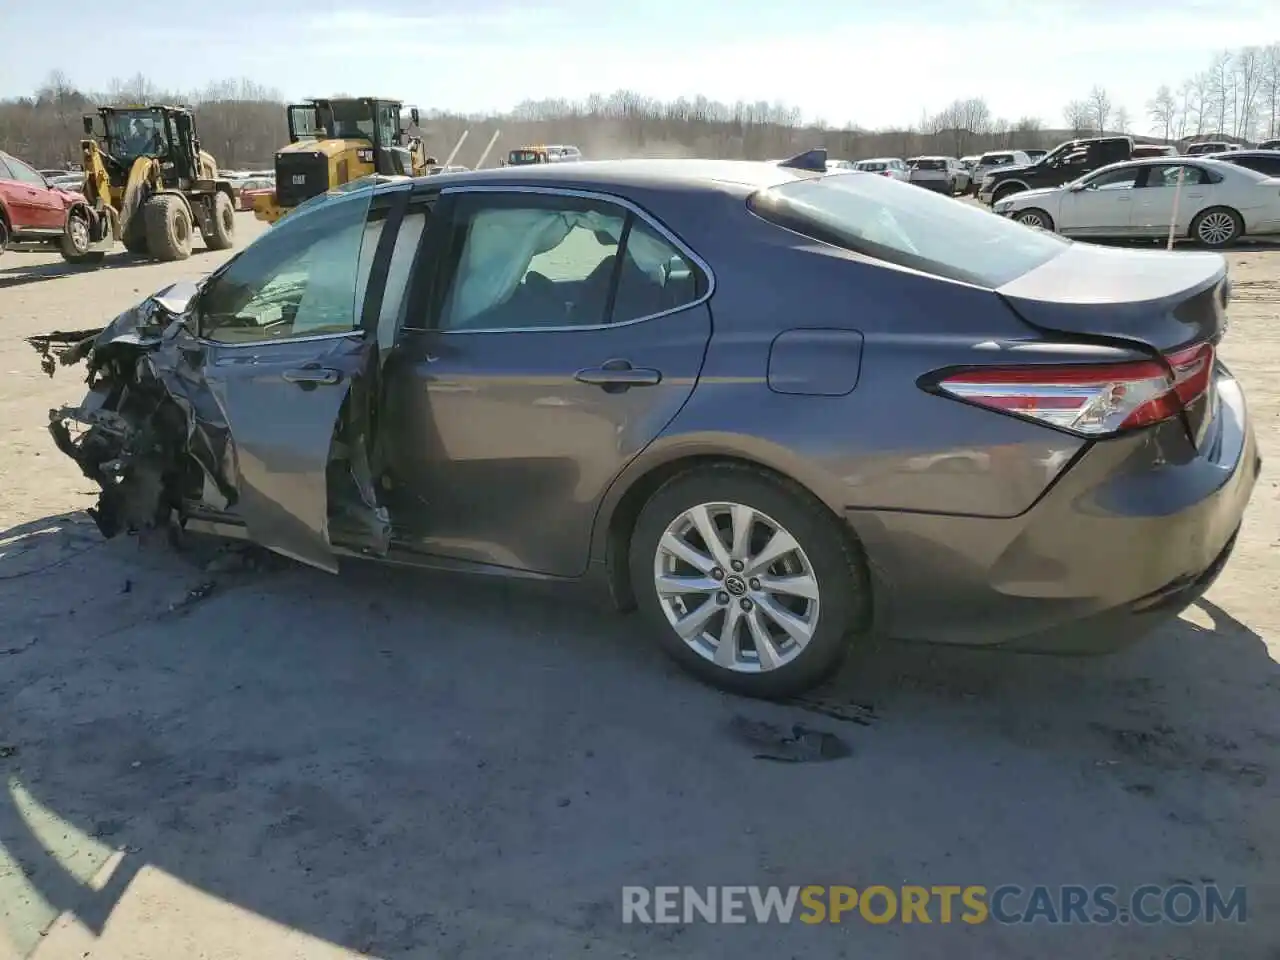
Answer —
996 160
519 157
346 119
910 227
136 133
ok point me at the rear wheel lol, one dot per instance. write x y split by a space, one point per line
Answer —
168 227
76 241
4 235
1035 218
747 580
1217 227
222 233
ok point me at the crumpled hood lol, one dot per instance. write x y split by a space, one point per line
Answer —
144 360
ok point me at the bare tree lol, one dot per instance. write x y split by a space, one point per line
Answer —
1249 71
1217 101
1163 110
1121 121
1078 117
1270 89
1100 108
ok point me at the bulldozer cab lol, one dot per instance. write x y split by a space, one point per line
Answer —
128 133
371 119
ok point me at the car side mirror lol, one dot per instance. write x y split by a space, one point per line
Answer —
1077 187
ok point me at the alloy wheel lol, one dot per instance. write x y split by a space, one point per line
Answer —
79 231
737 587
1216 228
1032 219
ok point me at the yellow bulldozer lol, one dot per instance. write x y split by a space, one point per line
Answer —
149 185
335 140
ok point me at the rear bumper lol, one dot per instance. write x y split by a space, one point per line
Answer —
1129 535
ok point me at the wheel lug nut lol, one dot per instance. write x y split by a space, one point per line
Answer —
745 604
755 583
717 574
722 598
737 566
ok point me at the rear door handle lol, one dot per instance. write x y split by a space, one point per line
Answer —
313 376
614 376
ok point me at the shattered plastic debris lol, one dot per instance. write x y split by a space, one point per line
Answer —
800 745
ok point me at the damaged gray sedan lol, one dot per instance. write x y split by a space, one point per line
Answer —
776 409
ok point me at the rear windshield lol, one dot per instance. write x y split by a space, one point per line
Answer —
522 156
996 159
927 164
907 226
873 167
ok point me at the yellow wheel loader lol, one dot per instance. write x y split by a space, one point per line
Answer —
333 141
149 185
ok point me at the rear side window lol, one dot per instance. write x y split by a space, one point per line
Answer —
908 227
1268 165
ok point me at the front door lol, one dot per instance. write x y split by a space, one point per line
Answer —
1153 201
561 334
1102 207
287 353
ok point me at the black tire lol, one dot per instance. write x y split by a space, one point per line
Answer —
222 233
135 236
1007 190
168 227
836 563
74 244
1217 227
4 235
1037 218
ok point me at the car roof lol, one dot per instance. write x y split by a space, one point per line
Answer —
753 174
878 159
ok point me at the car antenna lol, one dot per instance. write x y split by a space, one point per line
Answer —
814 160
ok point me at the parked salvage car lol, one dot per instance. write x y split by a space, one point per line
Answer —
1219 202
31 209
934 173
910 417
892 167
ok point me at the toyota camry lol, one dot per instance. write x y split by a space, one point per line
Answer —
777 409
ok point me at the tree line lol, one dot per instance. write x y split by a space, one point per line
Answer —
243 123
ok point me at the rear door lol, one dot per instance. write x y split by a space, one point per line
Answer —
551 336
1154 198
32 205
288 355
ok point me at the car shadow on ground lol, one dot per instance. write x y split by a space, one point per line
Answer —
17 275
414 764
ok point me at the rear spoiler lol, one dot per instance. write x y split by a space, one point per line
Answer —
813 161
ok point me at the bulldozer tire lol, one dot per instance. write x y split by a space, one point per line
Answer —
168 226
222 233
75 241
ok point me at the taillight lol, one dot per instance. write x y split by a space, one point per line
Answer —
1092 399
886 173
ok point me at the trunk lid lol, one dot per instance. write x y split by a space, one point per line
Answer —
1155 301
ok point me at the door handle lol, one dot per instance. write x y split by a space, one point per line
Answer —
313 376
1123 199
614 376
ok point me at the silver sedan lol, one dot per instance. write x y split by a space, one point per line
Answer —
1207 200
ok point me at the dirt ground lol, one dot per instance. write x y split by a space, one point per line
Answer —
203 759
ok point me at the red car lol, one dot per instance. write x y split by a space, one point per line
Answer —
31 210
252 189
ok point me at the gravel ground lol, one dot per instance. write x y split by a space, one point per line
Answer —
203 757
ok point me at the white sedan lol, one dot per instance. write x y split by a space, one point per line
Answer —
1218 202
892 167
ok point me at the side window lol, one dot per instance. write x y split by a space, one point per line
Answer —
4 170
24 174
388 125
1115 179
655 277
1268 165
1166 175
304 277
527 260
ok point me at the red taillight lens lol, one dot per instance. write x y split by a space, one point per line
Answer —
886 173
1093 399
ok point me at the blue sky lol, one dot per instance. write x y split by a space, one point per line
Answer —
874 62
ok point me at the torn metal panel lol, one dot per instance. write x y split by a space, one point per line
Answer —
263 432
